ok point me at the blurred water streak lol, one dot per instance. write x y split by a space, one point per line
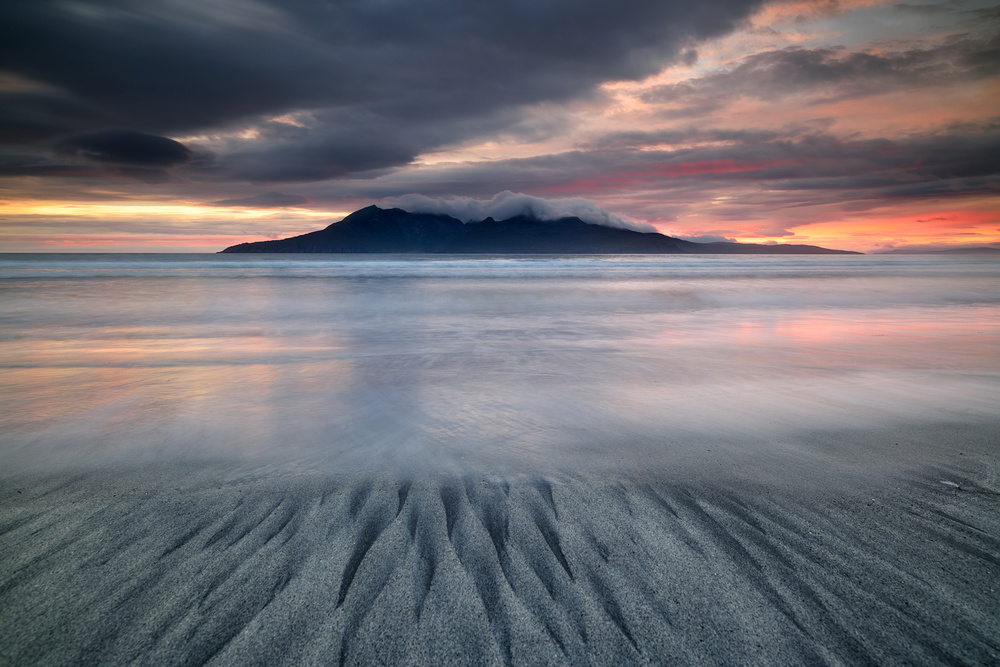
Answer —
365 361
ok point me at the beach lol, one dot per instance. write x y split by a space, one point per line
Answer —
195 565
565 461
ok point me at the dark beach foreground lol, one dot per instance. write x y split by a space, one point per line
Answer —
884 548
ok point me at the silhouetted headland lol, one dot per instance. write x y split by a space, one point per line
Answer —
376 230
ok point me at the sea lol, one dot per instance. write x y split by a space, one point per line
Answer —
499 363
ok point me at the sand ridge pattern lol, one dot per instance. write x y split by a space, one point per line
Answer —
192 567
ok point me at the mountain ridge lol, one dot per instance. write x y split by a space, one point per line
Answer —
376 230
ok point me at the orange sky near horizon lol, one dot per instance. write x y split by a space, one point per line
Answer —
192 227
943 226
862 125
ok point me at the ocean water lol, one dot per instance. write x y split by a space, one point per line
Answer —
500 363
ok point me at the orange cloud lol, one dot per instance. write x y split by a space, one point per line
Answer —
975 223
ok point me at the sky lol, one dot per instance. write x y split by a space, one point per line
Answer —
193 125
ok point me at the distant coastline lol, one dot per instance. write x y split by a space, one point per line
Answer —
377 230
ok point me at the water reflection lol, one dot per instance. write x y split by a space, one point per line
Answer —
502 362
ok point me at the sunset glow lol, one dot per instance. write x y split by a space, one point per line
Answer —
866 125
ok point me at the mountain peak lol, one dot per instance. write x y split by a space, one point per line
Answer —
376 230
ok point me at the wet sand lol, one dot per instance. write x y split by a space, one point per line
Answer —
885 549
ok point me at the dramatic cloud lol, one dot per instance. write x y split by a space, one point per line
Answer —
28 116
948 163
830 74
387 80
509 204
738 119
127 147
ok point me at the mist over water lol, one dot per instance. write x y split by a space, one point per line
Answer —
498 363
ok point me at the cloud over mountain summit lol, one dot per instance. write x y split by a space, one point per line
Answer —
508 204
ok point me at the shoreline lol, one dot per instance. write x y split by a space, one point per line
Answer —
199 563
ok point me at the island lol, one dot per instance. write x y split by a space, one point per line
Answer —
393 230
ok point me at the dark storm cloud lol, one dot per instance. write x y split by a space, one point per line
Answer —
799 167
333 144
265 200
31 116
126 147
830 74
31 165
415 74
